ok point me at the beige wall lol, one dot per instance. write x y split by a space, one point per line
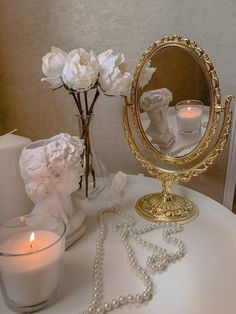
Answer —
30 27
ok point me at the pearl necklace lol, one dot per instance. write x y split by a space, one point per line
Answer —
177 151
158 261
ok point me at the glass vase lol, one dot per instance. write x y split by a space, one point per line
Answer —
95 175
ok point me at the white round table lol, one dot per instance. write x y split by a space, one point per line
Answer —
203 282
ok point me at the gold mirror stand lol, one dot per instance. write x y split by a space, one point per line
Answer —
166 206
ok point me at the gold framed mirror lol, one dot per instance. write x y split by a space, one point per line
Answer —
173 121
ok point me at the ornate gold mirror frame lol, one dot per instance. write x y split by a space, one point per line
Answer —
166 206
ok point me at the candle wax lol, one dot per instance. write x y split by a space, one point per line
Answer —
14 200
189 119
31 278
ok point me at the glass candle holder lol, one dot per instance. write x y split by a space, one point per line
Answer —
189 116
31 254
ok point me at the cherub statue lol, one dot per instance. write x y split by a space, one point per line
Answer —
156 104
117 191
51 170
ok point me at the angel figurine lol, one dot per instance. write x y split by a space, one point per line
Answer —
51 170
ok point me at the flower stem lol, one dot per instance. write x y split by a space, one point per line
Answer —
86 102
87 162
85 121
93 102
78 104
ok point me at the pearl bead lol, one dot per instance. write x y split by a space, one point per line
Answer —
98 272
97 296
130 298
94 303
97 283
97 276
91 309
149 289
150 284
138 297
146 296
123 299
107 306
115 303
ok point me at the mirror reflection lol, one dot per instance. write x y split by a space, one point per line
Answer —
174 101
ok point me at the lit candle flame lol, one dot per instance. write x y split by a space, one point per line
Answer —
189 108
32 238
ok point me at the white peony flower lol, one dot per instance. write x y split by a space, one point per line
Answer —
113 78
146 74
52 65
81 70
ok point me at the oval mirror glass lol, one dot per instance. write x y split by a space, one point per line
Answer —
173 101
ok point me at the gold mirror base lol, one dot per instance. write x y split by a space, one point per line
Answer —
163 207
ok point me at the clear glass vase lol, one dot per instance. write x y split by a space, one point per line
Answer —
95 175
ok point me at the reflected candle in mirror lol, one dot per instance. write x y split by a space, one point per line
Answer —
189 116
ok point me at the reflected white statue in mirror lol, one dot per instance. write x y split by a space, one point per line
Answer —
156 104
51 170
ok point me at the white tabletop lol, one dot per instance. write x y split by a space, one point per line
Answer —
203 282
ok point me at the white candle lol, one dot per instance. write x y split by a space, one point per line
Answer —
189 118
32 275
13 198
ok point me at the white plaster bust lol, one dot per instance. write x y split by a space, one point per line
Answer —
51 171
156 104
